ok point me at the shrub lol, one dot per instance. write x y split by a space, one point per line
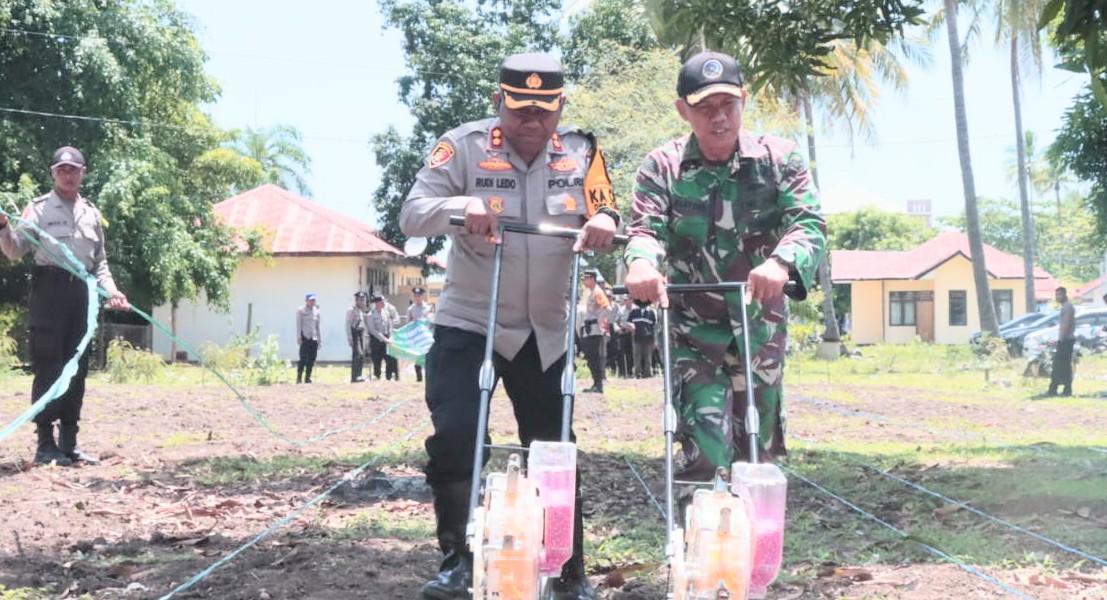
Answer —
127 363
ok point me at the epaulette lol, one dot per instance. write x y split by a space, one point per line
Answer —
41 198
466 129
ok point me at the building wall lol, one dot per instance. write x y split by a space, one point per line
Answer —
871 300
866 312
265 294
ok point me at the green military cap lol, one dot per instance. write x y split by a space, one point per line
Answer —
532 80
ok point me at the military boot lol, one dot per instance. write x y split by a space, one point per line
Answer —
573 583
47 451
455 575
67 443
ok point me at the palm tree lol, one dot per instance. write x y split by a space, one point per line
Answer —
847 90
279 152
1017 24
972 215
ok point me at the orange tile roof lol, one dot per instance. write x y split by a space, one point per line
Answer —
868 265
298 226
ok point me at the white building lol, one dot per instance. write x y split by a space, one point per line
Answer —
313 249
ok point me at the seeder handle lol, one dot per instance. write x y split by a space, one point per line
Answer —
540 229
693 288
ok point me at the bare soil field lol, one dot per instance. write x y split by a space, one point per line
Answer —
196 497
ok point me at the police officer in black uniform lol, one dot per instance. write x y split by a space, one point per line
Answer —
59 300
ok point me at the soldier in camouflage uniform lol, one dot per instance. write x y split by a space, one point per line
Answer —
723 205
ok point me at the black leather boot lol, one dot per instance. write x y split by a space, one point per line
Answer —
455 575
573 583
67 443
47 451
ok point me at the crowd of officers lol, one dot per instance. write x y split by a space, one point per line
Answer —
369 326
617 335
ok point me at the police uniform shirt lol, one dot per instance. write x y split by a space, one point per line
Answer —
380 322
596 312
418 311
307 322
355 321
475 161
77 225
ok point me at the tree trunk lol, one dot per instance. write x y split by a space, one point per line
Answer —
972 216
173 327
830 320
1024 192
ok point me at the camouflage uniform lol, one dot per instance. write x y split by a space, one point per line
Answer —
712 223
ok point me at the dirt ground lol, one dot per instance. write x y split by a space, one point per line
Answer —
143 523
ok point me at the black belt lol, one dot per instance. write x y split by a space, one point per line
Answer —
55 273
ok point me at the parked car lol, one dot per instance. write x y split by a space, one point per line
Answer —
1089 324
1014 336
974 337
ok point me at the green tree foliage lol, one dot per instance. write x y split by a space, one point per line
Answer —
789 41
123 81
1068 249
279 153
607 33
1081 36
1081 147
441 93
870 228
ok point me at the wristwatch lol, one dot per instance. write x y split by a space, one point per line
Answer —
783 263
611 212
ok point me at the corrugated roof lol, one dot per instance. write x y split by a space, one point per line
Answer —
297 226
860 265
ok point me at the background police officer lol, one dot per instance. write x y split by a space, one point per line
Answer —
381 319
59 300
355 335
520 166
308 337
419 309
594 330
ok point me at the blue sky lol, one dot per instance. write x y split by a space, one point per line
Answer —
330 71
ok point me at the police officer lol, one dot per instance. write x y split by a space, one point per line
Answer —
308 337
419 309
519 166
380 321
355 335
594 330
724 205
59 300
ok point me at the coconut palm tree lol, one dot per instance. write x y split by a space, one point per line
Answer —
972 214
280 153
1017 26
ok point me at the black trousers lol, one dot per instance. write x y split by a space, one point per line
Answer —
58 312
378 351
594 348
357 356
1062 367
453 397
309 349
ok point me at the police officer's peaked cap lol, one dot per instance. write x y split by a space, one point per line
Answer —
709 73
377 298
532 80
361 295
418 290
67 155
591 273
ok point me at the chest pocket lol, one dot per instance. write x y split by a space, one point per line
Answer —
59 229
565 187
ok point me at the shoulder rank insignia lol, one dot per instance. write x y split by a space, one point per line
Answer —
555 143
496 138
441 155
